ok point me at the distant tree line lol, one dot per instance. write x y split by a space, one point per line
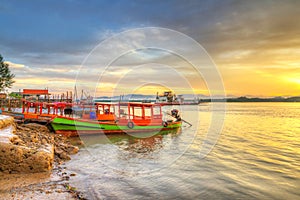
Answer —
246 99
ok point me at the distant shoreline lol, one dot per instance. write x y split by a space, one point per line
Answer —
246 99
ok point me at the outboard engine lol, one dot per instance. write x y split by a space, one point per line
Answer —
68 111
175 114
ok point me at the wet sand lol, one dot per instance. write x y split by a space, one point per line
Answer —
49 185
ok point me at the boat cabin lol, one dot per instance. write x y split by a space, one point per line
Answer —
141 114
35 110
105 112
138 113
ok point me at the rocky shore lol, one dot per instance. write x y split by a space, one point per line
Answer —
30 163
40 136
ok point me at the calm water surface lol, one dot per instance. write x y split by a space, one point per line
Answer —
257 156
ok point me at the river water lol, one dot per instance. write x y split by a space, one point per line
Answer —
256 156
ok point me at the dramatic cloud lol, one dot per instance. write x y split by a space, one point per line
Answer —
255 44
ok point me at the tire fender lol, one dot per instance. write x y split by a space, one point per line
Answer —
130 125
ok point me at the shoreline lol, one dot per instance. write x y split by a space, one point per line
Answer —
52 184
46 185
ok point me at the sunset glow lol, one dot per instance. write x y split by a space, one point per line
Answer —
255 45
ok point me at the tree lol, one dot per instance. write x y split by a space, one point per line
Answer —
15 95
6 77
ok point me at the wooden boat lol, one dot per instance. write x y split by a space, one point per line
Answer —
169 98
43 112
40 112
121 118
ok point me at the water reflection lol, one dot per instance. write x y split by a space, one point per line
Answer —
130 146
135 139
256 157
135 153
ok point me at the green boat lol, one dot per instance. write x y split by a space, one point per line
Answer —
127 118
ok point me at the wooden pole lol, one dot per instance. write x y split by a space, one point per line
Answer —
9 105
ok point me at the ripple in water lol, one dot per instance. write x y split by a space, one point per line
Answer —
257 157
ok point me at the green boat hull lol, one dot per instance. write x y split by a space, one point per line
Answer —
74 127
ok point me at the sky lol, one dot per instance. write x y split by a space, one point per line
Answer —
251 48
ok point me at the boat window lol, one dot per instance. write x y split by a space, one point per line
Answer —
137 111
100 109
156 110
123 112
147 111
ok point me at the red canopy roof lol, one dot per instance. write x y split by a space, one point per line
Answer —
35 92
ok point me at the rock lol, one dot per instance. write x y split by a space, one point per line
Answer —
64 156
5 121
72 149
30 148
21 159
16 140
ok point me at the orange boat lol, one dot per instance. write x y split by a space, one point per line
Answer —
116 119
35 111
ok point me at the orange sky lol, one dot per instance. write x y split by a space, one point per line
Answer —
254 44
240 78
